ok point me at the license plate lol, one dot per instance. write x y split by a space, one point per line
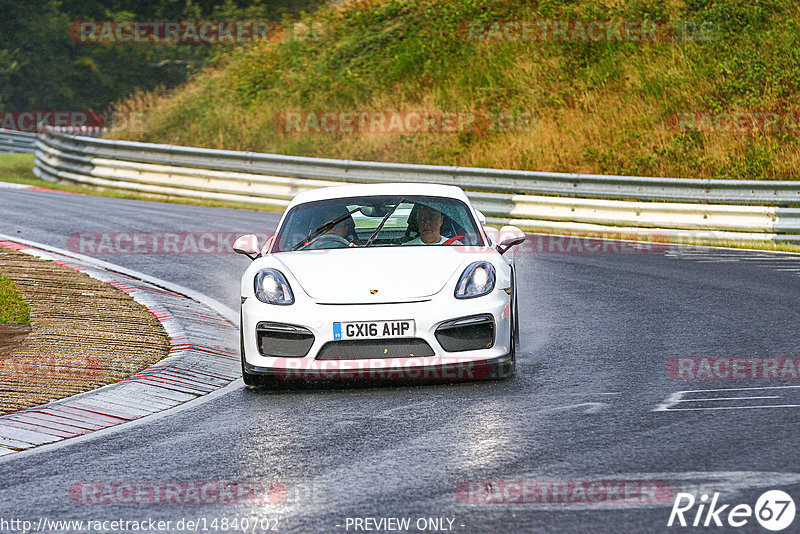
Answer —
373 329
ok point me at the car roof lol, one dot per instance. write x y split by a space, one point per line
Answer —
359 190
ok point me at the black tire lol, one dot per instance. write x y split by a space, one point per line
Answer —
515 337
250 380
512 364
505 371
514 325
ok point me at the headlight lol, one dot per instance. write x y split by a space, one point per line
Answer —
477 280
271 287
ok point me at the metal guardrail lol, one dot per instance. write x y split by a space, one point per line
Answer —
14 141
751 192
674 208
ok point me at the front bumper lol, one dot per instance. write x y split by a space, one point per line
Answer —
487 369
435 364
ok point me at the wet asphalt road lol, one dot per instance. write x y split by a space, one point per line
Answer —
589 402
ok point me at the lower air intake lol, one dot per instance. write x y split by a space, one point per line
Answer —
371 349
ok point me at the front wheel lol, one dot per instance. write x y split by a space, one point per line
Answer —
250 380
506 370
511 366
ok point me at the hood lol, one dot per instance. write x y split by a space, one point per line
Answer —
346 276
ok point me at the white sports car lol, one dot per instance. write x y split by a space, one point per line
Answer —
379 282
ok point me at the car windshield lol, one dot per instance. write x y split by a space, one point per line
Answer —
378 221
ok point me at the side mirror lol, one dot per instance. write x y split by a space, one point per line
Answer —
247 245
509 237
481 217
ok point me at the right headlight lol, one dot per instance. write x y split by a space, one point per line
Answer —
271 287
477 280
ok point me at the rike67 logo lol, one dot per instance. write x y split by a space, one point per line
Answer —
774 510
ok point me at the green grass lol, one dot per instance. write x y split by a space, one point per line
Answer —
600 107
13 309
17 168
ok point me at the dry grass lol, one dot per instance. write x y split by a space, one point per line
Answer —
599 109
84 334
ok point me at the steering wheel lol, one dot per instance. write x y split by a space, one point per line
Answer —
329 239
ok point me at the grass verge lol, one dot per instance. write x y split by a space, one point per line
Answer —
608 106
13 309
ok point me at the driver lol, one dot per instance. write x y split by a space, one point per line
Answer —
429 223
346 229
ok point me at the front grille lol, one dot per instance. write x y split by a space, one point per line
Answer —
283 340
467 333
363 349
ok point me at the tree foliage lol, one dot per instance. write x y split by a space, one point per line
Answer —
42 69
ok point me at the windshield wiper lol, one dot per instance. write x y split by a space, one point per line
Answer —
383 221
322 229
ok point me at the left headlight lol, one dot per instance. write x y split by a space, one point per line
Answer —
271 287
477 280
